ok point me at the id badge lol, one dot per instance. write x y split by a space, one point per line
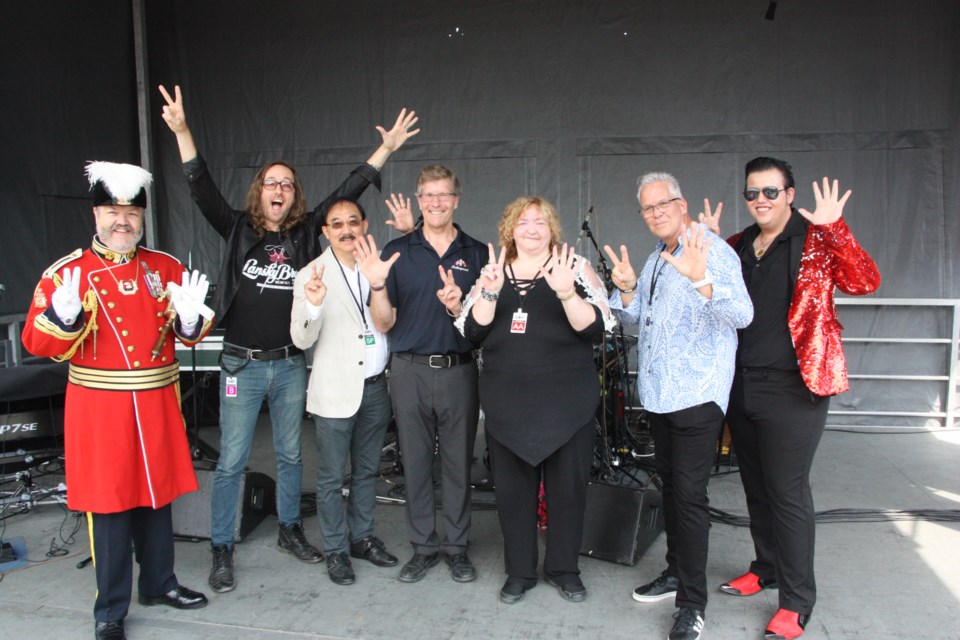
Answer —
519 322
231 390
369 339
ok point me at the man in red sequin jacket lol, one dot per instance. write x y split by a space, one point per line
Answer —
789 362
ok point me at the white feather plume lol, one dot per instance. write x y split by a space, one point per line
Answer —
123 181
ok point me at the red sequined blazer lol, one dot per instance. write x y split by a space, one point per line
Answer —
831 257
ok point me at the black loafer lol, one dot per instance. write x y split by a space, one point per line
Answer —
416 568
179 598
570 589
371 549
112 630
514 590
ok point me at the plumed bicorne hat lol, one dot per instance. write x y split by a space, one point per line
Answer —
122 184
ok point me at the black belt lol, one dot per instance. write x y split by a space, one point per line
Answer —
439 361
260 354
373 379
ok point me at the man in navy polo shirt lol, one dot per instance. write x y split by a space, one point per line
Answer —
433 376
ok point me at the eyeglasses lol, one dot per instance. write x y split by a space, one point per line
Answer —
661 206
770 193
272 184
353 223
436 196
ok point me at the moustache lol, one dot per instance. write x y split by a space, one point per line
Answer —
347 237
121 227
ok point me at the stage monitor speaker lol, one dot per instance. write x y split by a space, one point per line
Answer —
620 523
191 512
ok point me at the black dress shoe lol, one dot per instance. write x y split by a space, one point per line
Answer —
461 569
179 598
371 548
292 540
416 568
339 569
514 590
570 588
112 630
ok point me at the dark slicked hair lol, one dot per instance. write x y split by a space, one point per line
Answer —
764 163
327 209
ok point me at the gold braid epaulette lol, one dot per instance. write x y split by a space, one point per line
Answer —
89 304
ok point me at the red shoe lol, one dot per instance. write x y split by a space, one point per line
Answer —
786 625
747 585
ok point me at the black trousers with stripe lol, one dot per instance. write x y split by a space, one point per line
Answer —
115 540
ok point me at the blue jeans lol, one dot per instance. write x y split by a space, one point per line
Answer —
361 437
284 383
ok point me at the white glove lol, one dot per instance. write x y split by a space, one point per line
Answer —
188 298
66 299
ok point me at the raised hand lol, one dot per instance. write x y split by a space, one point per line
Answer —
402 213
711 220
692 263
450 294
315 290
369 262
66 299
491 276
829 203
622 274
559 270
400 132
173 113
189 296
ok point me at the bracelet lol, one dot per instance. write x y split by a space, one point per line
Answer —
379 287
490 296
630 290
564 298
707 279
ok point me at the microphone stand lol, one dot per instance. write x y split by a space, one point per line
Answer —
604 267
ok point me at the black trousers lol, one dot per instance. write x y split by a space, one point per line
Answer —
685 445
115 539
517 487
776 424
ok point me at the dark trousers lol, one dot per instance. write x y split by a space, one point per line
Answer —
517 487
685 445
115 540
776 424
436 410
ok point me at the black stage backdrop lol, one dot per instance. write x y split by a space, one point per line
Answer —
569 99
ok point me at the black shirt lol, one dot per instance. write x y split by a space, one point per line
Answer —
423 325
766 342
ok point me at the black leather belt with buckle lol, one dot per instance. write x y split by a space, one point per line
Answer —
438 361
259 354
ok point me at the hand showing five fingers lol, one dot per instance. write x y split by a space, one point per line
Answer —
369 262
692 263
400 132
559 271
402 213
829 203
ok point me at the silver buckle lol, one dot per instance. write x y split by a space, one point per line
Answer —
440 366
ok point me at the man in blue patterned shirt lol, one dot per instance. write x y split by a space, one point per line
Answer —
689 300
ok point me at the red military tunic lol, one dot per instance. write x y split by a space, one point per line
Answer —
125 438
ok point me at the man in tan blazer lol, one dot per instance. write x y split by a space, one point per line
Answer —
347 393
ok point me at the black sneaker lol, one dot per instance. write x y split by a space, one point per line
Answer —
687 624
221 574
665 586
339 568
461 569
514 590
372 549
292 540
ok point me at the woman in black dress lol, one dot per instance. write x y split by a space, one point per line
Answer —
537 311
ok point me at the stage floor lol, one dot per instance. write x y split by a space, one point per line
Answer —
884 580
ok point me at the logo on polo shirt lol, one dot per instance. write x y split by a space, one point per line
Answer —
460 265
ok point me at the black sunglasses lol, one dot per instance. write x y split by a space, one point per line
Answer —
770 193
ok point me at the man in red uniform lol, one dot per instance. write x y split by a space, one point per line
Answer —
127 458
